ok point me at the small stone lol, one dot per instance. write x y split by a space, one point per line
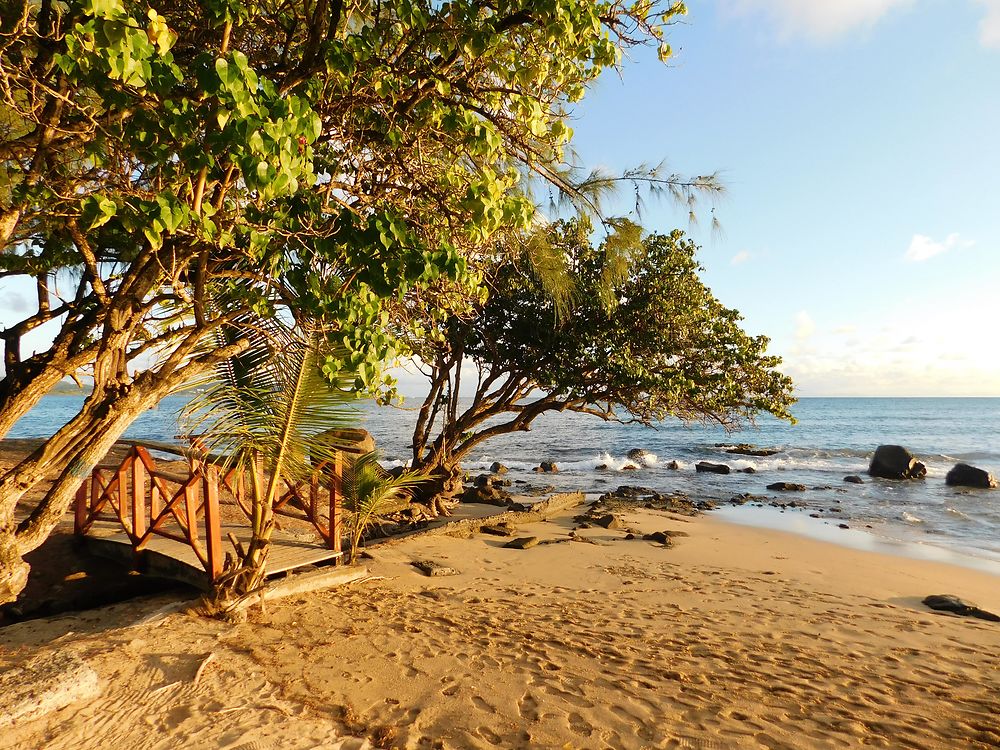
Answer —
843 526
524 542
630 467
433 569
854 479
608 521
787 487
602 467
630 536
498 468
707 466
674 466
748 470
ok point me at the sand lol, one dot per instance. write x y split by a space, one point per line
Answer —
735 637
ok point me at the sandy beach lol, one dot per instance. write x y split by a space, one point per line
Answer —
734 637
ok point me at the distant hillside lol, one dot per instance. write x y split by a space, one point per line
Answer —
69 388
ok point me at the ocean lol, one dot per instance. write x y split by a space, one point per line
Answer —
833 438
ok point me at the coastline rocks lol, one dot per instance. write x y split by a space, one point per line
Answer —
486 494
546 467
674 466
498 468
706 466
895 462
748 470
744 449
963 475
951 603
854 479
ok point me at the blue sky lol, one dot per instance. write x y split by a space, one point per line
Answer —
857 139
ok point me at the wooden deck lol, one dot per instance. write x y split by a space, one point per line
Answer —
169 558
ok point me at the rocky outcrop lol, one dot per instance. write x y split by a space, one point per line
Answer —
854 479
498 468
547 467
674 466
895 462
963 475
706 466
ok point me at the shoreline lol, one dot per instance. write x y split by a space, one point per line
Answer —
734 636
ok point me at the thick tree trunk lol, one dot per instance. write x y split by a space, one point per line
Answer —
443 485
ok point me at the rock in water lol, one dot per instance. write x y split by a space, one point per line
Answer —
547 467
854 479
787 487
963 475
713 468
895 462
498 468
950 603
744 449
674 466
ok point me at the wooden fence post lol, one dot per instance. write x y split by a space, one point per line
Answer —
80 514
336 476
138 497
213 523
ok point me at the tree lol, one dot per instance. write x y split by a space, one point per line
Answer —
644 341
168 172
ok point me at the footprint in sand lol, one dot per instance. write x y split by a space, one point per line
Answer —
528 707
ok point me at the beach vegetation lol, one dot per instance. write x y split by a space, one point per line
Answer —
339 161
633 336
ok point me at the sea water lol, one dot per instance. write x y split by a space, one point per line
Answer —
834 437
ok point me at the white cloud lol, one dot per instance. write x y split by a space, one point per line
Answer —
923 247
819 19
741 257
989 27
804 325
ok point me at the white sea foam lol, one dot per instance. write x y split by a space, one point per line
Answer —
910 518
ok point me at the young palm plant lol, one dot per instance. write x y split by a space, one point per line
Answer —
367 491
266 411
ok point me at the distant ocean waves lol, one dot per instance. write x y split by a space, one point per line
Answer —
833 438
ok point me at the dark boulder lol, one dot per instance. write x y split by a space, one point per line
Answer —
630 467
963 475
639 455
950 603
498 468
748 470
547 467
674 466
487 495
712 468
854 479
895 462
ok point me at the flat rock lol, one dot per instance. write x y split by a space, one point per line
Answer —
45 684
854 479
951 603
744 449
433 569
524 542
